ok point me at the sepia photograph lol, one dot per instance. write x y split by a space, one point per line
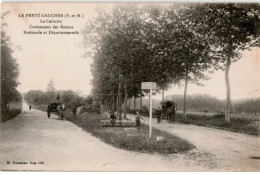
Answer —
130 87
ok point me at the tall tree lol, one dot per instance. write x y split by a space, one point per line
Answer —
231 28
51 92
179 53
58 97
9 72
134 41
50 86
193 57
115 49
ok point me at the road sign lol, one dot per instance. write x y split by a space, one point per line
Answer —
148 85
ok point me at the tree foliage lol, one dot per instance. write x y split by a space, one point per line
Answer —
167 45
248 106
230 28
68 97
50 86
144 44
9 73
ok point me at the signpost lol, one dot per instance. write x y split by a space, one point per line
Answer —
150 86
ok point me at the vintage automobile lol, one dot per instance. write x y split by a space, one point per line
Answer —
56 107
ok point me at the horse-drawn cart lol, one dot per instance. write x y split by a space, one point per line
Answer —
169 111
56 107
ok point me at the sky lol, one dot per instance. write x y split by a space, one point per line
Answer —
60 57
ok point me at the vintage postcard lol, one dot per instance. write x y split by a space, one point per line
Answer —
130 86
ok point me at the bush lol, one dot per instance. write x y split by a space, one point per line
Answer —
91 109
15 109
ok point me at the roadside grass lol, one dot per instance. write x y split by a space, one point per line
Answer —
15 109
128 137
242 123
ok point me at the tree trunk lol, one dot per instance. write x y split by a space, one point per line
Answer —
5 107
106 104
134 103
111 104
108 107
162 97
113 100
185 95
141 102
130 104
125 101
119 101
228 104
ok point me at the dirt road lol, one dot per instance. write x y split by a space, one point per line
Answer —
54 145
57 145
231 151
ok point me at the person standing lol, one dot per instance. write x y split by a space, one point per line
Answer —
60 112
138 121
174 111
158 114
49 111
112 118
74 111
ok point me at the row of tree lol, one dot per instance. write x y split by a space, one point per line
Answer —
9 71
247 106
51 95
201 103
207 103
166 44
